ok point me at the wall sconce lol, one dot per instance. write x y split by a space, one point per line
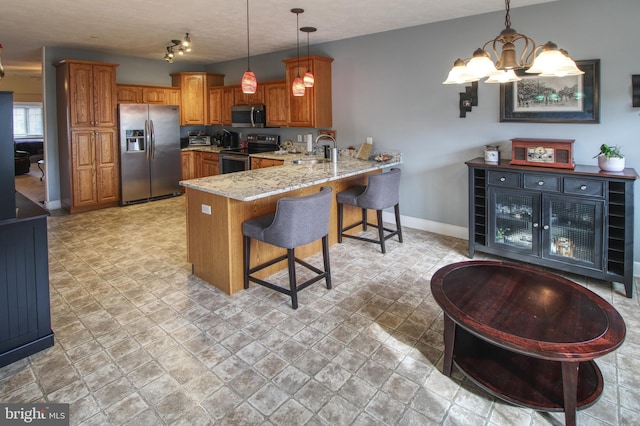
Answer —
184 46
635 87
468 99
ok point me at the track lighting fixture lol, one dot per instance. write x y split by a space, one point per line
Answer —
183 46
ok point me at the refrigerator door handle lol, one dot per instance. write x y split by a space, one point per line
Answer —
146 138
153 139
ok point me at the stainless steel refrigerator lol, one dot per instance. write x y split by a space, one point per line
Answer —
150 165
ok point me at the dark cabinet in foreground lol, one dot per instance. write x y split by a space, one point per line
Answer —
579 221
25 320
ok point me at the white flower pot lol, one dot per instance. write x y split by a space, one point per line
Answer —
613 164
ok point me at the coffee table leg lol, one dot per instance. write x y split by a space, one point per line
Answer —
449 342
570 390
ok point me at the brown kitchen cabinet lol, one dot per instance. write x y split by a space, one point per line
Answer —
240 98
87 135
275 99
220 103
210 164
261 163
194 95
188 165
134 94
314 108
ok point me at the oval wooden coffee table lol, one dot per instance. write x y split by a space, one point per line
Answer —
525 335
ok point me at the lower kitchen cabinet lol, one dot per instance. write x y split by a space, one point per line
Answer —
579 221
94 171
261 163
197 164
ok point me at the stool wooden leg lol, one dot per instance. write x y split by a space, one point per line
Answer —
396 208
246 246
291 260
340 225
381 231
325 258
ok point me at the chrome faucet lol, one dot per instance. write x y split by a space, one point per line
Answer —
334 151
325 136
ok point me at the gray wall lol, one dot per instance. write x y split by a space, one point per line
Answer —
388 86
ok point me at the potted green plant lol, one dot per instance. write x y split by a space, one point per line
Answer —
610 158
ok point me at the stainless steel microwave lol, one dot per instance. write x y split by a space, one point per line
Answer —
248 116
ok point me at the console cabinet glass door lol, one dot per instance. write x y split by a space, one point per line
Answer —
515 220
572 230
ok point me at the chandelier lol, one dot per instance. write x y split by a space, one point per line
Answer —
500 66
183 46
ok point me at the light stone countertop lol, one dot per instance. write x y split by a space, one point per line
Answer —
254 184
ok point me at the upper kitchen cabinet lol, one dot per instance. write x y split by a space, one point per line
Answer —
314 108
240 98
194 95
220 103
134 94
91 89
275 99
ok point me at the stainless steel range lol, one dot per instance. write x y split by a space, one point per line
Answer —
237 159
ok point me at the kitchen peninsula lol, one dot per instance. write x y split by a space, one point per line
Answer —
217 206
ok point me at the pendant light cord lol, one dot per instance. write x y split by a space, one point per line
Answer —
248 57
308 59
297 41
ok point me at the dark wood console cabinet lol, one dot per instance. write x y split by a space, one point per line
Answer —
579 221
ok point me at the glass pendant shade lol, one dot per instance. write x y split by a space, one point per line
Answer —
480 65
459 74
249 83
298 87
508 76
308 79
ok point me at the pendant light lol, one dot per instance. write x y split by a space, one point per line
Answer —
298 84
249 83
308 76
498 59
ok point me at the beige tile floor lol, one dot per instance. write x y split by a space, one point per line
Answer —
141 341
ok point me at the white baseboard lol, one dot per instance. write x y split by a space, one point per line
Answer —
53 205
449 230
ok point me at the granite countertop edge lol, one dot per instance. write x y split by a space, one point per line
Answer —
255 184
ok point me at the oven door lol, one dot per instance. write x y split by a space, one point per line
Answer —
231 162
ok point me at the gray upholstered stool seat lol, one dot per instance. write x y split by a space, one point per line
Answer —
297 221
381 192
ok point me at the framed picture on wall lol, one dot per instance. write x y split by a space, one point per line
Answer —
569 99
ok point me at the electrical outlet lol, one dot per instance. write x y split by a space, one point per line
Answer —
299 138
206 209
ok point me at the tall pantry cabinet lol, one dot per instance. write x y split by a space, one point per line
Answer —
87 135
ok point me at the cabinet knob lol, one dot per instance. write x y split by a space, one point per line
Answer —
545 227
540 183
502 179
536 224
583 187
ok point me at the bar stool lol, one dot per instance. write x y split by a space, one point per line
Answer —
297 221
382 191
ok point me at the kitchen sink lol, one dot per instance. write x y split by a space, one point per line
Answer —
310 160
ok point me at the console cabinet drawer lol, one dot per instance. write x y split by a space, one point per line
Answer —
594 188
506 179
542 182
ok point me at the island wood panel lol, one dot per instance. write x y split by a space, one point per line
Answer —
214 242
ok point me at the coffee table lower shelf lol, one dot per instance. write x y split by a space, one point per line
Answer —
520 379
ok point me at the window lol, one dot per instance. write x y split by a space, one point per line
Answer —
27 120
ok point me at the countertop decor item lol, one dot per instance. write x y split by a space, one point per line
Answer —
610 159
547 59
555 153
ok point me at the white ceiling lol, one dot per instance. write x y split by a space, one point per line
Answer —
143 28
